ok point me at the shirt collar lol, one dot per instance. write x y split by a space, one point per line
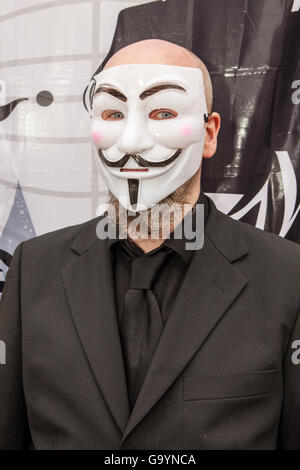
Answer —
175 244
179 244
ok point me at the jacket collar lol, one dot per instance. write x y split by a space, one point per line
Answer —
222 230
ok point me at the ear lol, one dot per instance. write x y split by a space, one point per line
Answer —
212 130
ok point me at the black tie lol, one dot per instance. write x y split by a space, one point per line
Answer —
141 323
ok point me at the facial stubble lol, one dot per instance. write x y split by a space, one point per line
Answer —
156 220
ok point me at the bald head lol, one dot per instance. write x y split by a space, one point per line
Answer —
157 51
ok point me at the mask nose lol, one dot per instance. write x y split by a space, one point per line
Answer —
135 137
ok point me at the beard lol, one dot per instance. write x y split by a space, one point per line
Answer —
157 221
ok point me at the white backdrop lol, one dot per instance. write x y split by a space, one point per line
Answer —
48 52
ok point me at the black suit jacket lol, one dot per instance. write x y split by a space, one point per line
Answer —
223 375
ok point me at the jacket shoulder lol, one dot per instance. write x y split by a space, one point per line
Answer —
54 248
63 236
263 245
268 243
272 259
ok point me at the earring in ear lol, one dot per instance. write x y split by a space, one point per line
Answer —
206 116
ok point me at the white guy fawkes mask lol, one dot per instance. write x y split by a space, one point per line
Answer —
148 123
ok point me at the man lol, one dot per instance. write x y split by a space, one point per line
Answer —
141 343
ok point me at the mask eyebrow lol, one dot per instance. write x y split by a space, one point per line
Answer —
157 88
111 91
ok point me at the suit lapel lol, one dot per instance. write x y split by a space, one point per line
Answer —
89 286
209 288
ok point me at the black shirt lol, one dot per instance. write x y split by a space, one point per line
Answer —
170 276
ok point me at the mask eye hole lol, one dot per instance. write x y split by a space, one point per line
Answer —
162 114
112 115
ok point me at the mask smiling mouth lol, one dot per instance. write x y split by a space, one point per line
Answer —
142 162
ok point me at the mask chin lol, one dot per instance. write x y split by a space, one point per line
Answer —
139 194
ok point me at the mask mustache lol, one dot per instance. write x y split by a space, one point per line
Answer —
138 159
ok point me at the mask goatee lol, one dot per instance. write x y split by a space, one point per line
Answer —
156 221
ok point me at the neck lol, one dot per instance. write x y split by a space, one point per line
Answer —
149 244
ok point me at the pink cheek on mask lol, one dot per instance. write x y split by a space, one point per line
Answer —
96 136
187 130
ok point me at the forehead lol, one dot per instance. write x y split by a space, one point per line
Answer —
139 77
